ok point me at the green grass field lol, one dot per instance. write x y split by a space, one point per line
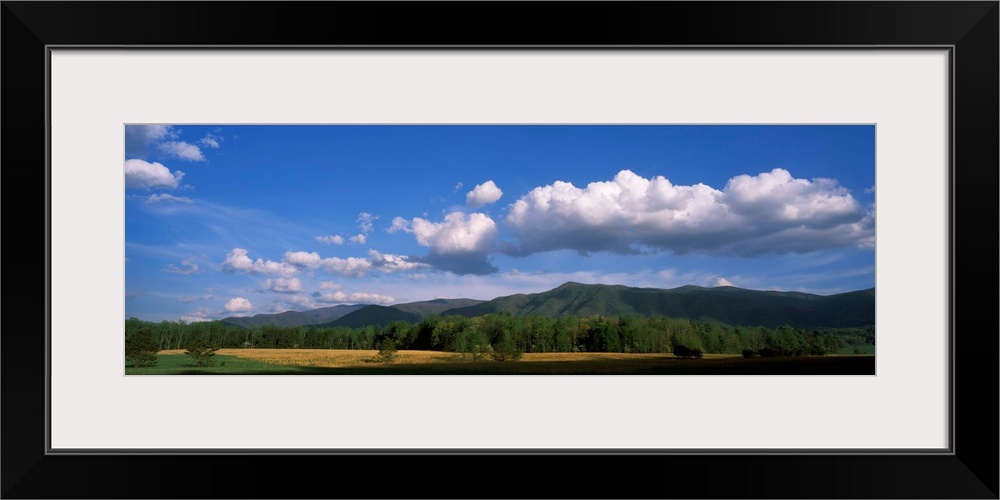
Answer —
176 364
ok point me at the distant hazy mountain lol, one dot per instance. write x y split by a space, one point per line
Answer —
730 305
415 311
296 318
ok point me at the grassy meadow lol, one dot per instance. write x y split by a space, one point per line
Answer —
418 362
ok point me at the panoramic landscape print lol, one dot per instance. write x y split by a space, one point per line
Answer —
499 250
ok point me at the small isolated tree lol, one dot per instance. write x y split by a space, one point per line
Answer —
505 351
140 349
386 350
201 351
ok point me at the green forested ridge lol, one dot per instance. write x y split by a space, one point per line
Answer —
723 305
436 306
726 305
375 316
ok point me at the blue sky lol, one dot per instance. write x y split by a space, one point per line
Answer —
236 220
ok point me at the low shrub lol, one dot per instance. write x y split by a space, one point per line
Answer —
683 351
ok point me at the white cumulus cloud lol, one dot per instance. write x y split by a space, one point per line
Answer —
238 304
720 281
391 263
238 260
138 138
359 239
293 262
351 267
458 233
751 215
460 244
483 194
141 174
308 260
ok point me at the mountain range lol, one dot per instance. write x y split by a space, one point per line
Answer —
724 304
372 314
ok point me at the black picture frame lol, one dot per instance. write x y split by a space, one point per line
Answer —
970 28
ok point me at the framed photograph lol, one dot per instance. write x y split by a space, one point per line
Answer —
498 229
385 263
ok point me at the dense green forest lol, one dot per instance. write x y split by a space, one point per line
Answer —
629 334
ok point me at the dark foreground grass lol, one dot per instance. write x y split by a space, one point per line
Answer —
665 365
857 349
178 364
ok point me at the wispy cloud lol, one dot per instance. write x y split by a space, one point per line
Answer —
365 222
235 225
181 150
284 285
355 298
335 239
188 266
329 285
167 198
210 141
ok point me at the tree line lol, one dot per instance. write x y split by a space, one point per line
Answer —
627 334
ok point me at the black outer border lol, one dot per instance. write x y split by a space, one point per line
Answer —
970 27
